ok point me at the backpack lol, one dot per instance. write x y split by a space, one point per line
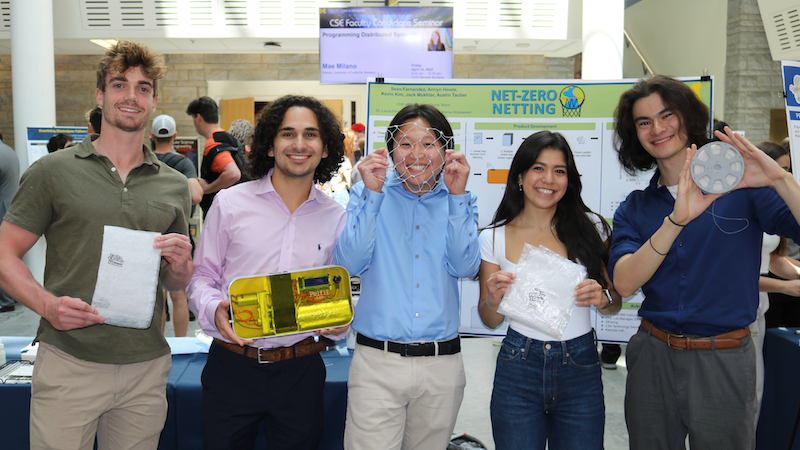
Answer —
239 155
172 159
465 442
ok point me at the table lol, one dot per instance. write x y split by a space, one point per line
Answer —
781 389
183 428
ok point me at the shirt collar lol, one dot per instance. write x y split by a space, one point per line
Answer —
393 181
86 149
265 186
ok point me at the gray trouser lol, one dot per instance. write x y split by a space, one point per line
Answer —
707 394
5 299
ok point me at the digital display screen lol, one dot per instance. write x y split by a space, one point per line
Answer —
318 281
394 42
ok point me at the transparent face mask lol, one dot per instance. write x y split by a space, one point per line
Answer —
416 156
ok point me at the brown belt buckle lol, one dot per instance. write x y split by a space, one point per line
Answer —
677 336
259 355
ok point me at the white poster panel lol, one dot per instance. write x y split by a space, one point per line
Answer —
791 82
39 136
491 118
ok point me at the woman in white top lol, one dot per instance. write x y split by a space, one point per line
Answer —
546 392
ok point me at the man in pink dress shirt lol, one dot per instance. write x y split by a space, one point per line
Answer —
277 223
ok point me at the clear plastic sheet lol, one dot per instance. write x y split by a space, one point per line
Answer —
541 296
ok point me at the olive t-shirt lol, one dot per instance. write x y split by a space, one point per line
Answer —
68 196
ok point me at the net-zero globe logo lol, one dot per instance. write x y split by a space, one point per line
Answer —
571 98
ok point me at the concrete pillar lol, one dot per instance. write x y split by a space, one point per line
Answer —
753 84
603 25
33 87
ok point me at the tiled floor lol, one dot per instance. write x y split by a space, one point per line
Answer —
479 359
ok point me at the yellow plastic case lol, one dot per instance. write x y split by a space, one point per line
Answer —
291 302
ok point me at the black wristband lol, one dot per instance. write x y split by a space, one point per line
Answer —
669 216
654 248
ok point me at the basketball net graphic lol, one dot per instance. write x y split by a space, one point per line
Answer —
571 98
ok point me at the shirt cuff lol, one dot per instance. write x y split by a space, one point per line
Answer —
371 201
460 204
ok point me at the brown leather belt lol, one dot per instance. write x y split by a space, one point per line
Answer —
307 346
731 339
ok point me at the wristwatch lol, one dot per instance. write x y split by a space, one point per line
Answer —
610 299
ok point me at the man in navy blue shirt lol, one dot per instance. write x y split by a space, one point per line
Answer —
691 366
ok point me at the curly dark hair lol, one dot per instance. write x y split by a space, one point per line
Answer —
572 224
678 98
270 119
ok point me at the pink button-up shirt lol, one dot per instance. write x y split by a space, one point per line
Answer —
250 231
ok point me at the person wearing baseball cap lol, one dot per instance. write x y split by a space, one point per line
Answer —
163 134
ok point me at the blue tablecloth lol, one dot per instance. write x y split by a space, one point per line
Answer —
781 389
183 429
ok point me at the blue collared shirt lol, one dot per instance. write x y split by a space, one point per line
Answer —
410 251
708 282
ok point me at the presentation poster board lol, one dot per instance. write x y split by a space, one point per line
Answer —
187 146
491 118
39 136
791 82
356 44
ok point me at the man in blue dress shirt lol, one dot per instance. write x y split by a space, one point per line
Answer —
411 234
691 366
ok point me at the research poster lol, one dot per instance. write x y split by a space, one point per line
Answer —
39 136
491 118
791 83
356 44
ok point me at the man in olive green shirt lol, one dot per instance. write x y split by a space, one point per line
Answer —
91 378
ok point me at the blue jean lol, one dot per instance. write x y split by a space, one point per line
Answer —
548 392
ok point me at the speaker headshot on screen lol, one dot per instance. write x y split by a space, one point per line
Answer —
435 44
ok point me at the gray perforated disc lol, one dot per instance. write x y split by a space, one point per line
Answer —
717 167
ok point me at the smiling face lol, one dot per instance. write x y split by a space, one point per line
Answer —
298 147
128 100
659 129
545 183
418 155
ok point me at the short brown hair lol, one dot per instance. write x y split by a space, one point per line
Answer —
126 54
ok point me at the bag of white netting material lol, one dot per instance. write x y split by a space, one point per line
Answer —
542 295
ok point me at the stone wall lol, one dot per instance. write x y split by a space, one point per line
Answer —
6 112
187 75
753 81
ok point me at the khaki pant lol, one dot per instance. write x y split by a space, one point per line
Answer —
396 402
72 400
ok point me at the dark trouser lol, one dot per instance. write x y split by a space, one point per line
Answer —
238 393
709 394
610 353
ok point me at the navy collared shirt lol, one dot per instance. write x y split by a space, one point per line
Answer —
708 282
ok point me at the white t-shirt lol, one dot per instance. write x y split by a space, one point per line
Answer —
493 250
769 243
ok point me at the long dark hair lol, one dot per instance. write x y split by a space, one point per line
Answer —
572 224
678 98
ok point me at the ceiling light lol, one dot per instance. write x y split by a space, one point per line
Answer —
523 45
470 47
105 43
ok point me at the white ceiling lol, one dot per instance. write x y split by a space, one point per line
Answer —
480 26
